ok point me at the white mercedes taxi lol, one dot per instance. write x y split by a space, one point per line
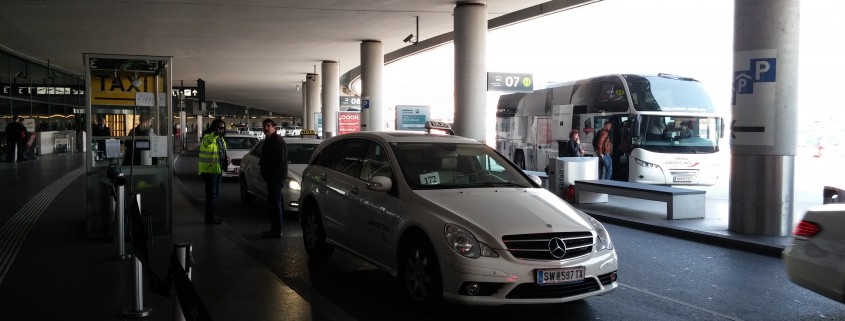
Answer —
452 219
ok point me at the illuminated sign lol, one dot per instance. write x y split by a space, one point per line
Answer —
510 82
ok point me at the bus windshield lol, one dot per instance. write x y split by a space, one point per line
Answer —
656 93
679 134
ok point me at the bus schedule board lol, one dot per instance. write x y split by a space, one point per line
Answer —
348 122
510 82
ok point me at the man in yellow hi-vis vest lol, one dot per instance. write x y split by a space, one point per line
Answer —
212 161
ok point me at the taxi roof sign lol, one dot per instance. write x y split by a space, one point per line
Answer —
308 132
432 126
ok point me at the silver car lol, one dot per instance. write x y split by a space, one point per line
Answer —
453 220
252 185
816 258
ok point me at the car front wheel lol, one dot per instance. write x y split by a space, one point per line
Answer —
420 273
246 196
314 235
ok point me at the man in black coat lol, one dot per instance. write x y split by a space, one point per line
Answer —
274 171
16 137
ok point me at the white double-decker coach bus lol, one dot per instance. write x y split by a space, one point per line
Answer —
666 124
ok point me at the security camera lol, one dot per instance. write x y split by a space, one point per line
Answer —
408 38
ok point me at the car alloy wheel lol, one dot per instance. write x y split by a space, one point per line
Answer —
246 197
421 273
313 234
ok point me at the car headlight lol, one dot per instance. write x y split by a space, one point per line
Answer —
464 243
602 235
294 184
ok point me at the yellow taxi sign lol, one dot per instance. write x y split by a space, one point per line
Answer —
308 132
438 127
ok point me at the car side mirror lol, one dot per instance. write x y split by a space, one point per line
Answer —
379 184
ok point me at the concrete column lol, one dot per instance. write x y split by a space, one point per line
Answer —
764 109
470 69
372 65
304 104
331 97
312 92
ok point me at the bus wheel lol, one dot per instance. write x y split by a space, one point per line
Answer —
519 159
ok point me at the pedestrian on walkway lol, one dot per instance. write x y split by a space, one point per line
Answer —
16 137
274 171
604 150
212 161
139 135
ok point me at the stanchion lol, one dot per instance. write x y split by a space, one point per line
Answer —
183 254
138 310
119 181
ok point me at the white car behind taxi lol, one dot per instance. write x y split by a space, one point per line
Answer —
452 219
237 145
252 185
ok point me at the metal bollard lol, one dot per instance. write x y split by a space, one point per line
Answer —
138 310
120 219
183 254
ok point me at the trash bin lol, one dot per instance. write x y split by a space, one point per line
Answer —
566 170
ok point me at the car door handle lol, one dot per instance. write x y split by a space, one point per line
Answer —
354 190
323 176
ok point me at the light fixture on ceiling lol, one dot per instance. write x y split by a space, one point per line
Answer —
298 88
135 81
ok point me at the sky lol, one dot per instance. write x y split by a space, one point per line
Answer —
692 38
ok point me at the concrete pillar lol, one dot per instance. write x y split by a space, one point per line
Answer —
470 69
304 104
331 97
764 110
372 65
312 92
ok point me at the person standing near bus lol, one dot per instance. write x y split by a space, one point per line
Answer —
572 148
604 151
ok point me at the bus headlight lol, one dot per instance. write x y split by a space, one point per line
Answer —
646 164
464 243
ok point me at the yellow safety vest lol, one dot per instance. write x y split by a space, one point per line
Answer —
210 155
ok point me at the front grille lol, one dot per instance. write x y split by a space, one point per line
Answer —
536 291
536 246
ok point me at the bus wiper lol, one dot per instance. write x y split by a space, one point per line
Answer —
502 184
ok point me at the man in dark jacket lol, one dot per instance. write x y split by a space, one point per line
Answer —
274 171
16 137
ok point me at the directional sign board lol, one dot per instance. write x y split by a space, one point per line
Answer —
754 88
510 82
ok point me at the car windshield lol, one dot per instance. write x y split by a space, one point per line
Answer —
300 153
451 165
240 142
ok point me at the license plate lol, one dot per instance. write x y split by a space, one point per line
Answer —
556 276
687 179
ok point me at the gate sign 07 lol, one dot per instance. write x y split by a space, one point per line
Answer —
510 82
